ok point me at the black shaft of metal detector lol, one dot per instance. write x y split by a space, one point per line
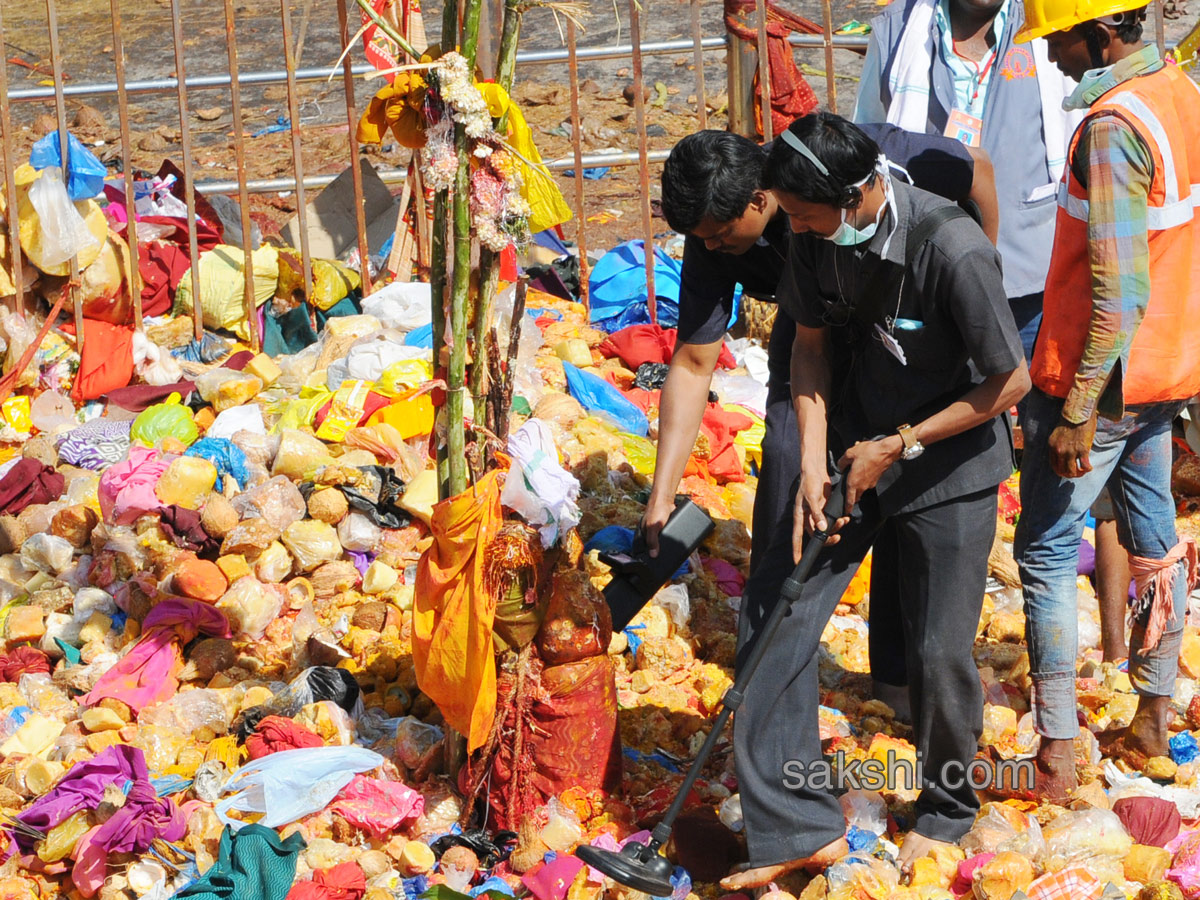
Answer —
733 696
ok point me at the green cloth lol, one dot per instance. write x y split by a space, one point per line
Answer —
251 863
289 333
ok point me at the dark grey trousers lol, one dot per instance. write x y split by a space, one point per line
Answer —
943 551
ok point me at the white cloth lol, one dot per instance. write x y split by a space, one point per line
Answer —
537 488
909 84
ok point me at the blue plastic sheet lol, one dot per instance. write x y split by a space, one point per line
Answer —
226 456
86 177
598 396
420 337
617 288
1184 748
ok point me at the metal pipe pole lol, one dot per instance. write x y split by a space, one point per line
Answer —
360 214
10 183
698 62
764 72
639 107
239 148
185 139
830 81
134 279
285 15
60 107
577 147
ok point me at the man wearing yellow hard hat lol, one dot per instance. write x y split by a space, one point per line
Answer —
1117 356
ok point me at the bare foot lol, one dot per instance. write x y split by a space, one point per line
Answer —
1054 770
763 875
1145 737
914 847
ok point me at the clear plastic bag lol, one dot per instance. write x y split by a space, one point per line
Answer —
251 605
64 233
47 553
292 784
278 501
153 364
1094 837
312 543
414 739
999 827
865 810
358 533
189 711
226 388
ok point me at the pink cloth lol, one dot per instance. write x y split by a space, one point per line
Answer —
126 490
552 880
132 829
147 674
377 806
729 579
1159 574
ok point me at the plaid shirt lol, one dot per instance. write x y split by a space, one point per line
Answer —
1118 168
1071 883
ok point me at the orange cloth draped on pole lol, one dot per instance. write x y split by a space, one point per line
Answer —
791 95
453 611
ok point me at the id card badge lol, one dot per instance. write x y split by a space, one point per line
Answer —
891 344
964 127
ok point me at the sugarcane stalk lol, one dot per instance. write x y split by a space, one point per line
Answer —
388 29
489 260
437 254
461 285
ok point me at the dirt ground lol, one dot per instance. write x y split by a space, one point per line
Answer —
611 204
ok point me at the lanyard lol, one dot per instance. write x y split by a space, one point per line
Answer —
980 74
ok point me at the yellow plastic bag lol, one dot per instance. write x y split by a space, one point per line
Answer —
349 404
62 838
749 439
222 283
548 208
402 375
17 414
411 414
297 414
331 281
640 452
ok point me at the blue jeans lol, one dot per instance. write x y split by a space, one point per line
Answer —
1133 457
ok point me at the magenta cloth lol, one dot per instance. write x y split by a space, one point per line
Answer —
729 579
29 481
82 788
551 880
966 873
126 490
377 806
147 674
144 818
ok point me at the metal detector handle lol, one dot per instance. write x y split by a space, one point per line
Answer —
834 509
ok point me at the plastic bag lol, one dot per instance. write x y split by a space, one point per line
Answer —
999 828
154 364
538 489
358 533
278 501
400 305
188 711
85 173
251 606
47 553
1092 837
226 388
226 456
865 810
239 418
162 420
854 877
617 288
414 739
292 784
222 283
311 543
674 599
600 397
64 233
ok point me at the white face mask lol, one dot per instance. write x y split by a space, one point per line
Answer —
849 236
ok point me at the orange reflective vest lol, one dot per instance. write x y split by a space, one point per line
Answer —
1163 107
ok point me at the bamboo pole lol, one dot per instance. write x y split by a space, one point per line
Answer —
360 216
456 459
60 109
830 80
10 183
764 72
577 148
639 109
185 142
133 277
438 273
489 260
239 147
698 62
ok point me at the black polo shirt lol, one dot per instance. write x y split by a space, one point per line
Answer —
953 324
709 277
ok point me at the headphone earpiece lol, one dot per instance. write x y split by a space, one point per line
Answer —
852 197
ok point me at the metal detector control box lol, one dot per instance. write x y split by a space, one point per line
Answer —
637 576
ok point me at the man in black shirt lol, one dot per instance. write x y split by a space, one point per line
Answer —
737 235
905 360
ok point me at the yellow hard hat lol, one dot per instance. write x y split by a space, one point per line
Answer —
1043 17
